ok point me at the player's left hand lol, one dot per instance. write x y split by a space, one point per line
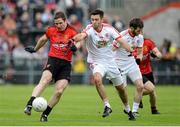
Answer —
138 61
30 49
72 46
153 55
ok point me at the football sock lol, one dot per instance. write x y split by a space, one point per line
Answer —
31 100
127 108
135 107
47 111
106 103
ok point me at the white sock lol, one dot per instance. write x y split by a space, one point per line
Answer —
127 108
135 107
106 103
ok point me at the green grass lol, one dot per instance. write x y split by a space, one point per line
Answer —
81 106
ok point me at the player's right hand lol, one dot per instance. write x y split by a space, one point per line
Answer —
72 45
73 48
30 49
153 54
138 61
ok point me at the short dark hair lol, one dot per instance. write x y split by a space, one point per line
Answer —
136 22
97 12
60 14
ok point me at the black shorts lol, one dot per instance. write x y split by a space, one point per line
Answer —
60 69
149 77
144 79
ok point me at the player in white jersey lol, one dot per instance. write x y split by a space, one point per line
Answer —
127 63
100 57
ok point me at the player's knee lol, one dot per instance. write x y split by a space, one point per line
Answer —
97 80
152 88
139 85
120 88
46 80
149 86
98 83
59 91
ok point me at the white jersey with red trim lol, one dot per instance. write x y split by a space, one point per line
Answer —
134 42
99 45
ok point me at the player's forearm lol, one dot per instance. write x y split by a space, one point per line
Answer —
139 57
157 53
41 42
125 45
114 48
79 37
78 44
39 45
139 53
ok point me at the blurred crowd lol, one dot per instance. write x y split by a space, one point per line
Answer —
169 50
23 21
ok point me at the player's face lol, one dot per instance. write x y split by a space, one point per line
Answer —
137 31
60 24
96 21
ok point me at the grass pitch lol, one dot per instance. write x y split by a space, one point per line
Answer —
81 106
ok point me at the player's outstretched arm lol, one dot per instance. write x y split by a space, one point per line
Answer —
42 40
30 49
74 46
115 45
156 53
125 44
79 44
76 42
79 37
139 53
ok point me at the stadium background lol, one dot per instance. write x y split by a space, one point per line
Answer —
23 21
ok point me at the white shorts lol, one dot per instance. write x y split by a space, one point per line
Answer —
111 72
129 68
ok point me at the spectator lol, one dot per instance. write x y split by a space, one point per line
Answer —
178 54
168 52
118 23
3 45
22 6
46 16
3 32
24 26
93 4
38 24
84 7
106 19
19 52
8 74
8 6
9 23
74 22
13 40
79 64
75 9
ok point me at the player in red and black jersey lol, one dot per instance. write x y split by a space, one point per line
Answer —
58 66
149 50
